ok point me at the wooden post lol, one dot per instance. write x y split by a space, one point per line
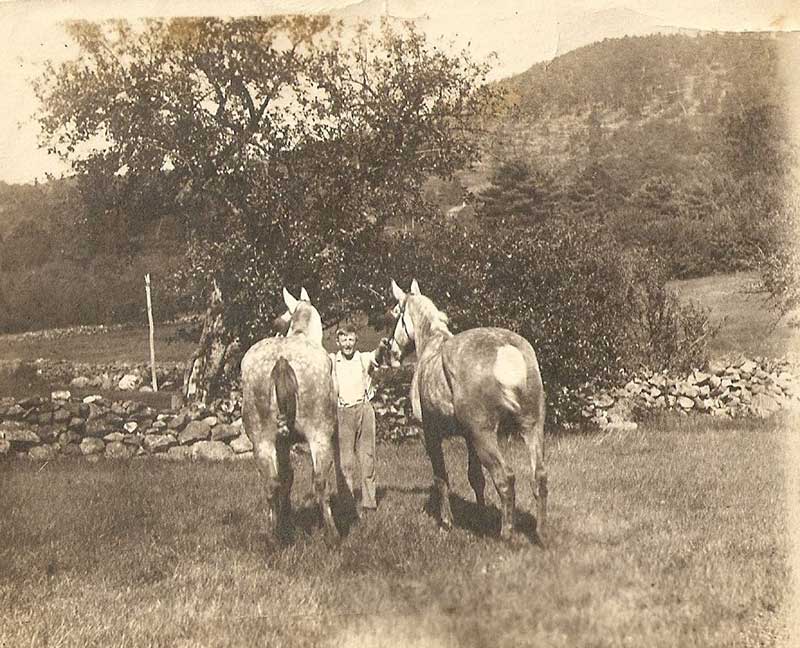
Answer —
150 321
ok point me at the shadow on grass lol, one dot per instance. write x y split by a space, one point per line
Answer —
304 522
482 521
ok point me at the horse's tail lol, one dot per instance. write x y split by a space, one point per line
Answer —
284 382
511 373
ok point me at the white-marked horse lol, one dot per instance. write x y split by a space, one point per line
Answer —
288 396
469 384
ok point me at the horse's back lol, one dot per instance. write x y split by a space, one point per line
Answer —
301 353
478 349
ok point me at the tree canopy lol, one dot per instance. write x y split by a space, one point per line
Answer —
283 143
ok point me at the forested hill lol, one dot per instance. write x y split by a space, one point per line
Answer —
676 142
659 105
640 76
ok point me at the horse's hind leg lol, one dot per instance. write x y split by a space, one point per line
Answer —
322 462
285 480
475 474
485 443
533 433
266 458
433 446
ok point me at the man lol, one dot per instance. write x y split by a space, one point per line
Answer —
352 377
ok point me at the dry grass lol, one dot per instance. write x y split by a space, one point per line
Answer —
114 344
749 326
673 535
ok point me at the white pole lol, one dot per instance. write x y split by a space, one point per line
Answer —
150 321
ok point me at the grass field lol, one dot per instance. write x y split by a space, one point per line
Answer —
671 535
112 344
748 325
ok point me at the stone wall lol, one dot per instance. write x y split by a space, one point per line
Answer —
93 427
749 387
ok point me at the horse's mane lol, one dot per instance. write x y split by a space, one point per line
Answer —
431 319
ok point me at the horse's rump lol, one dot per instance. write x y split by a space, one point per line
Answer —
491 365
289 380
284 382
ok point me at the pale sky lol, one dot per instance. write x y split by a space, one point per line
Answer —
520 32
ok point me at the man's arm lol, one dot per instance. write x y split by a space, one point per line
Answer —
373 359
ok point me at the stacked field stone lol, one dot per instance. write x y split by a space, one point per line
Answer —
93 427
757 388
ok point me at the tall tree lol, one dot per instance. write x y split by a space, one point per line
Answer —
284 143
518 195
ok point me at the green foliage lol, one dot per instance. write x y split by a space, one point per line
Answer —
636 75
518 193
284 151
594 312
677 143
780 265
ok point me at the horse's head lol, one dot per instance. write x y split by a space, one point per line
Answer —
402 341
300 318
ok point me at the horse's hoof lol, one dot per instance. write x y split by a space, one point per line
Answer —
332 540
446 526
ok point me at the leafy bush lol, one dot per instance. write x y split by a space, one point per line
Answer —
593 311
780 264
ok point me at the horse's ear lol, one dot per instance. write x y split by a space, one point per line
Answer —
304 295
397 292
414 288
291 302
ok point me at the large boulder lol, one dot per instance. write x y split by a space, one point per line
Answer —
177 453
119 450
70 436
747 367
80 382
158 442
194 431
97 427
763 405
224 432
211 450
178 421
91 445
129 382
241 444
43 452
19 435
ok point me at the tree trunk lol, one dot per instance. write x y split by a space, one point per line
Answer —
210 370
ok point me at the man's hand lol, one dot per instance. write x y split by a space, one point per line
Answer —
383 349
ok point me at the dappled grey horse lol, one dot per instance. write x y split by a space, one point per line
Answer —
288 396
470 384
